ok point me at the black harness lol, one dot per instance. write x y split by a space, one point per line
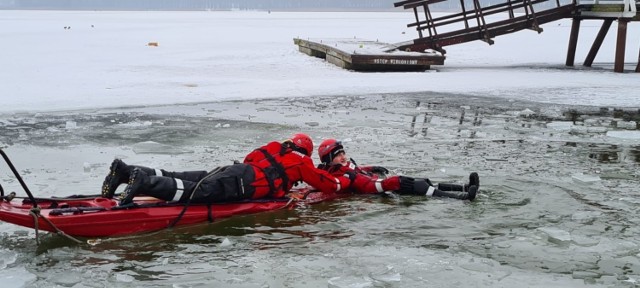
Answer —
279 170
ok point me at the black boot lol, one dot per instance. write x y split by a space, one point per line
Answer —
165 188
474 180
413 186
119 173
470 195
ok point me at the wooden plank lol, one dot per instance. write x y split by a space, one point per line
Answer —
402 3
422 3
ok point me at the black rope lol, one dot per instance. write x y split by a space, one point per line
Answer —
186 205
35 213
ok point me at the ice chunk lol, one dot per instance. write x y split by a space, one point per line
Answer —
585 274
635 135
121 277
71 125
578 129
6 258
388 279
556 236
585 178
68 278
631 125
350 282
16 277
225 243
596 129
560 125
525 113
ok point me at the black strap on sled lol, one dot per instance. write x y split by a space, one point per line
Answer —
186 205
280 169
209 213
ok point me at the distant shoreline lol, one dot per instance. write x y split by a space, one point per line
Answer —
221 10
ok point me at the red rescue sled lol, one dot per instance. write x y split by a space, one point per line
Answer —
102 217
94 216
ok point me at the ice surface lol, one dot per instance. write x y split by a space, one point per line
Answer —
151 147
631 135
583 178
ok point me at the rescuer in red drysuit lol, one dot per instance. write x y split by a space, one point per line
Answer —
268 172
334 160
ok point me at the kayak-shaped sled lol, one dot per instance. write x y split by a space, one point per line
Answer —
102 217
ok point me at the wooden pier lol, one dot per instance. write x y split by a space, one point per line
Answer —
365 55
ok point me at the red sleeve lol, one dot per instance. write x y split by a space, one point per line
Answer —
367 184
320 179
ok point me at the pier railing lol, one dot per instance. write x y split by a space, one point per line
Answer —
479 22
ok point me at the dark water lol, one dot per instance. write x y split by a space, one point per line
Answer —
558 206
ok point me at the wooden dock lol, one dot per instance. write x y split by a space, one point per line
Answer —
365 55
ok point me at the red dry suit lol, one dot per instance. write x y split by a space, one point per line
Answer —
277 167
365 182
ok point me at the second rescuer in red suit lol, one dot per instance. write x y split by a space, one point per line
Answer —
367 180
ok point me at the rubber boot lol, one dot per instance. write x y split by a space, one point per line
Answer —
474 180
164 188
470 195
119 173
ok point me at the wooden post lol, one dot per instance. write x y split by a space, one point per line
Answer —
638 70
573 42
598 42
618 66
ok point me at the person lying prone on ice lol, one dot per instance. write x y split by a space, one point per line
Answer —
367 180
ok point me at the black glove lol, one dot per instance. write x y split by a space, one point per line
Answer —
352 177
351 174
379 170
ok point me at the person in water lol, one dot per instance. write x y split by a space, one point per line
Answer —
267 172
335 161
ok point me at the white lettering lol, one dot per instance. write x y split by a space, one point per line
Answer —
396 61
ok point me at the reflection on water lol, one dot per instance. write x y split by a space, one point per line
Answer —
634 152
605 153
608 153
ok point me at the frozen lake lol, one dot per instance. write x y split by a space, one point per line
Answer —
557 207
559 199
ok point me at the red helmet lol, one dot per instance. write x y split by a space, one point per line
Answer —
304 142
329 149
